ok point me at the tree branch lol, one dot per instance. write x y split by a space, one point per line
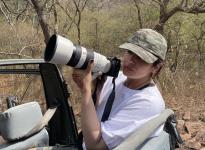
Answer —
6 16
158 2
66 12
84 4
55 18
197 7
13 12
15 54
138 13
42 20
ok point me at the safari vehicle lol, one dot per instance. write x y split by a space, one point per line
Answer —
23 126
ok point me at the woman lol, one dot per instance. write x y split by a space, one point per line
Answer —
137 99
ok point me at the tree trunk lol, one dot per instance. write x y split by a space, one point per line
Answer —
42 20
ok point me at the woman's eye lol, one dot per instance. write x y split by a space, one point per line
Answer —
130 52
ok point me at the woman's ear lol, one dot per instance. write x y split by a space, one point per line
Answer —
156 68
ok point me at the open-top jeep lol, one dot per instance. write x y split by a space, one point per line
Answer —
23 126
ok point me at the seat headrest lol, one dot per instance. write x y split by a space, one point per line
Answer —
17 121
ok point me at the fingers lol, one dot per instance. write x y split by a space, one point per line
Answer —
78 73
90 66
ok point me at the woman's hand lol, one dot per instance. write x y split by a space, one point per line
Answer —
83 78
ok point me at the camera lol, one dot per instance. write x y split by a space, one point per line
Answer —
60 50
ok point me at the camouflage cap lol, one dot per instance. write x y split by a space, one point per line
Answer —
148 44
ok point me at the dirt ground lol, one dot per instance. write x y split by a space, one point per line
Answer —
188 103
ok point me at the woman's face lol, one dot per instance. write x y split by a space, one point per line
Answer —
136 68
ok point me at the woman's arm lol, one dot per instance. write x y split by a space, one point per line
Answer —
89 121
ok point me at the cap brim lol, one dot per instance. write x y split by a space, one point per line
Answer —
142 53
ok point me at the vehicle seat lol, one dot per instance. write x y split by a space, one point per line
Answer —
15 124
160 142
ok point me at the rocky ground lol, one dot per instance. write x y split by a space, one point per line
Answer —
192 132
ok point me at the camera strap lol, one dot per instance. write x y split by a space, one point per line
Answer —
110 100
109 103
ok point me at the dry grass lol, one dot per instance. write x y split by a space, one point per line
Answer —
25 88
183 89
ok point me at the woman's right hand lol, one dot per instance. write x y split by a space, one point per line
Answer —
83 78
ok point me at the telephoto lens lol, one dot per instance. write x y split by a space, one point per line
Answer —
60 50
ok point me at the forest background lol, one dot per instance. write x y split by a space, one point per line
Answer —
102 25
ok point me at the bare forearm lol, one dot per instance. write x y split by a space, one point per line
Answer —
90 123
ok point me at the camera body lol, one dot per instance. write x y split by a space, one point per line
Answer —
60 50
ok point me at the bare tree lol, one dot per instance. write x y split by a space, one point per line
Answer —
177 49
74 14
16 12
42 19
55 17
136 2
13 15
196 7
79 5
200 40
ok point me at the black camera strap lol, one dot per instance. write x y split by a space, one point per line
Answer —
109 103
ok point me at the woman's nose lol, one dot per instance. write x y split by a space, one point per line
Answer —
132 59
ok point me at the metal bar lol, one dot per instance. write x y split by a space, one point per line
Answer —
19 71
5 62
141 134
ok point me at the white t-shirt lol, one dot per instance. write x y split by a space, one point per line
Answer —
130 110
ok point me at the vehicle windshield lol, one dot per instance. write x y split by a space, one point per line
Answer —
21 84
